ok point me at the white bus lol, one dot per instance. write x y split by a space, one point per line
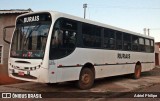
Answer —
52 47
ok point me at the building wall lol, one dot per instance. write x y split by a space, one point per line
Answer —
1 51
6 20
157 52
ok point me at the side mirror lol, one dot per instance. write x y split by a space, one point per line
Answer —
4 33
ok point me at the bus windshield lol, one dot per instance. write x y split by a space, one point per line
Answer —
29 41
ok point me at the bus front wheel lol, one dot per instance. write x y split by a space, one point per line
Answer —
137 71
86 79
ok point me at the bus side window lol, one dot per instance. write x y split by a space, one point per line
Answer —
126 41
97 36
69 39
86 32
56 44
109 38
106 39
147 45
63 40
119 40
151 46
112 39
91 36
141 44
135 43
57 38
111 43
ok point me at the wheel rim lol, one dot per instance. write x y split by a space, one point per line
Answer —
85 78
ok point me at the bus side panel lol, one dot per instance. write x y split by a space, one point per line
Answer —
106 62
53 73
113 70
70 73
61 74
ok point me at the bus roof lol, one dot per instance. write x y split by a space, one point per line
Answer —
60 14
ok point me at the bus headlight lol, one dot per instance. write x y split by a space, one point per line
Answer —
32 68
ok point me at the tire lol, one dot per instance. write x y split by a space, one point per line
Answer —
86 79
137 72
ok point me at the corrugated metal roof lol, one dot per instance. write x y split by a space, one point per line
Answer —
13 11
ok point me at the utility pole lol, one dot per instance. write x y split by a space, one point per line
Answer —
84 6
144 31
148 31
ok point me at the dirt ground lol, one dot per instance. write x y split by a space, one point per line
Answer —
4 78
118 88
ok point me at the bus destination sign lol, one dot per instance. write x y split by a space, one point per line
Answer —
42 17
31 19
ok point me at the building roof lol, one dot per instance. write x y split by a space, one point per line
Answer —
15 11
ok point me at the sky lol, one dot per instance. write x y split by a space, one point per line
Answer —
133 15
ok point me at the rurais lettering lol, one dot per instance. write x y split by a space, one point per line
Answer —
123 56
31 19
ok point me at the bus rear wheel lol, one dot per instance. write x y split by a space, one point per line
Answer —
86 79
137 71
